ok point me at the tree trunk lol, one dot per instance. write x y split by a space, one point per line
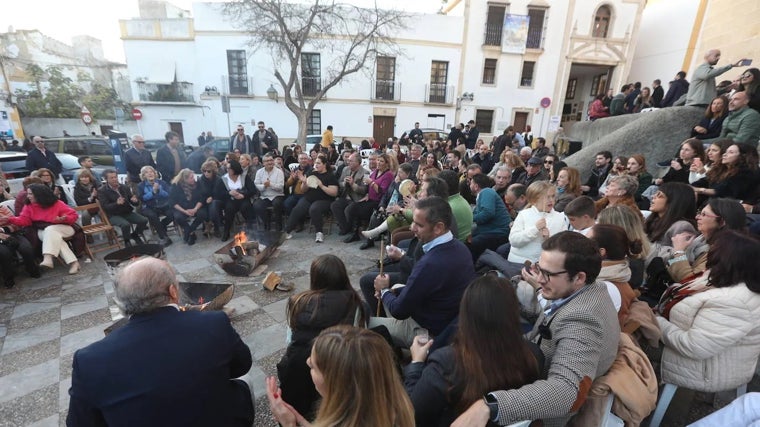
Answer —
302 127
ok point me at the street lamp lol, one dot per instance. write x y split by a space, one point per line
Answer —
272 93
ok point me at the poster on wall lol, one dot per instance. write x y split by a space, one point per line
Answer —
5 125
515 34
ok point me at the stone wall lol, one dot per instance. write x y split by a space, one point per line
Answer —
656 135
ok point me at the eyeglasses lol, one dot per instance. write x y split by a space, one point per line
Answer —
705 214
240 130
547 275
261 127
206 171
548 162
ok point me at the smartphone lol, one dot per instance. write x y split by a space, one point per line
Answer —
745 62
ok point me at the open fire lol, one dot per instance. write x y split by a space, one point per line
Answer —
240 240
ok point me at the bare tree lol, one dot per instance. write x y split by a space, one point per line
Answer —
351 36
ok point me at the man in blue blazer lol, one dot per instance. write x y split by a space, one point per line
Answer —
39 157
166 367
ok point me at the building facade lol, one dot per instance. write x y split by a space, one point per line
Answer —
494 62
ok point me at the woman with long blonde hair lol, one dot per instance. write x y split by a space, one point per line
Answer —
354 371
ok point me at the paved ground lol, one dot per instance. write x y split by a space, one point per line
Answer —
43 321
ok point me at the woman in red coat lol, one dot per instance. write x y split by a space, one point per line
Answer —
53 220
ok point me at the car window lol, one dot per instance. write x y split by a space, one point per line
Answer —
98 148
74 147
69 162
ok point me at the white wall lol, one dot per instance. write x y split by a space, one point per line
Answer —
664 36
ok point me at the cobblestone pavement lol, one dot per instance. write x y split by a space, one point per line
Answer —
44 321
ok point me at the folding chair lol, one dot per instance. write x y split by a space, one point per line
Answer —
103 226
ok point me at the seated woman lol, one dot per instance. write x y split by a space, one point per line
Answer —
713 154
13 242
488 353
597 110
428 162
234 194
53 219
689 256
734 177
330 301
316 200
48 179
186 198
5 188
711 336
680 167
619 165
391 207
378 182
568 187
353 369
533 225
620 191
630 221
85 193
154 195
712 123
616 250
512 161
750 83
212 207
637 167
674 201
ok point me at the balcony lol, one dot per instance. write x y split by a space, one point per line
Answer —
237 85
310 86
439 93
171 92
386 90
492 36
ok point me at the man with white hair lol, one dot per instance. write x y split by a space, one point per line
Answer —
135 158
165 366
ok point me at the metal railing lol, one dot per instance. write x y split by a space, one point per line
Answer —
386 90
492 35
439 93
234 85
173 92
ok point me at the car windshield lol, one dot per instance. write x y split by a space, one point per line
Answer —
69 162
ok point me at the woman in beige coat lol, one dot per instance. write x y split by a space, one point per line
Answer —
712 337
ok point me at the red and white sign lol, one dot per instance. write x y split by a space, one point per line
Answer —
86 116
136 114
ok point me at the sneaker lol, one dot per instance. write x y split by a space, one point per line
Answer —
320 238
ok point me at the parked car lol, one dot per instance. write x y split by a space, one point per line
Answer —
71 165
97 147
13 167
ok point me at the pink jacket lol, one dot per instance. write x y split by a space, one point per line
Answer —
36 213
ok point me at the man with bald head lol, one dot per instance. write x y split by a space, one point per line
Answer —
742 123
165 366
702 88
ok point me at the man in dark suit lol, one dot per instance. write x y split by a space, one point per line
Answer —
165 367
170 159
39 157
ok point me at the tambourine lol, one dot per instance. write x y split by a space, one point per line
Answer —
406 186
312 181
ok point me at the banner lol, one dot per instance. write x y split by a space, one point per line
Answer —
515 33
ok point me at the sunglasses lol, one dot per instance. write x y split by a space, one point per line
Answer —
548 162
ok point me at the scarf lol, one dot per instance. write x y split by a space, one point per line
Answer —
188 189
615 271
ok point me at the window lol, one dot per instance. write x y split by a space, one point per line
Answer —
602 22
314 126
536 28
237 68
494 24
439 71
386 76
526 77
484 120
489 71
311 74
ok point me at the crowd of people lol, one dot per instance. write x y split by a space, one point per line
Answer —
509 288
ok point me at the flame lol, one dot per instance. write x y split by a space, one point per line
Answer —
240 239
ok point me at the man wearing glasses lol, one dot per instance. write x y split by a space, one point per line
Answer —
240 141
577 331
40 157
135 158
262 141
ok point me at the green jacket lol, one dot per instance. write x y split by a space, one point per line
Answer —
742 126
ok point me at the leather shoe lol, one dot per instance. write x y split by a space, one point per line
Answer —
191 240
354 237
367 244
344 232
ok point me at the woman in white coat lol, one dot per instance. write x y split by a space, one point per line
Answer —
712 337
533 225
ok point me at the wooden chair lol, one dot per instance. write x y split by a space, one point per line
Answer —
103 226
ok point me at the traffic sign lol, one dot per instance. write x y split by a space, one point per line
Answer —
546 102
86 116
136 114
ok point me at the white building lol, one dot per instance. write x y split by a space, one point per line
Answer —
482 60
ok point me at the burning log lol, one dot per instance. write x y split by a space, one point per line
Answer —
241 256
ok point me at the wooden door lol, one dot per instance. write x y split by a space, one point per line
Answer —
383 128
521 120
